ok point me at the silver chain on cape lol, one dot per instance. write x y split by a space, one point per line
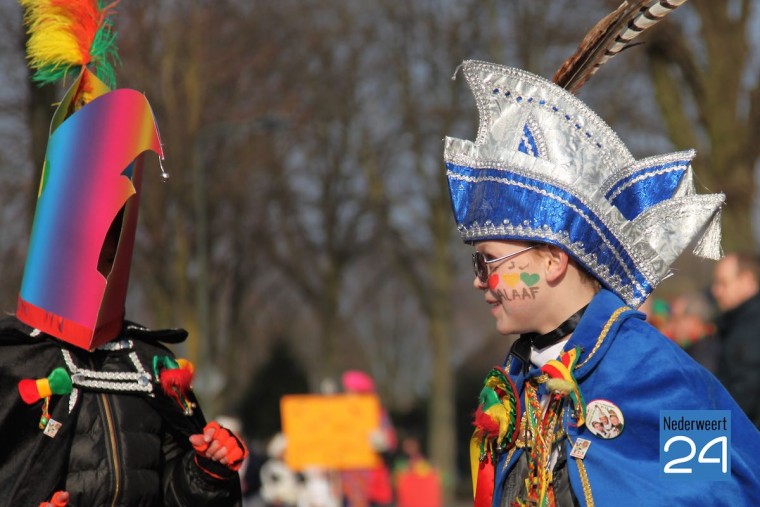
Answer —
111 381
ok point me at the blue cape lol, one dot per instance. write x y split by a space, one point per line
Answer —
634 366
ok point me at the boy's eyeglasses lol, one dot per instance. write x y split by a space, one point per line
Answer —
480 263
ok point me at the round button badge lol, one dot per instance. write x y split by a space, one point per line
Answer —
604 419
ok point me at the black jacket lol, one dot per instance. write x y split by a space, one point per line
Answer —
739 368
115 447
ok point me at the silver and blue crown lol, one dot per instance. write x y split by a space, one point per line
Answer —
546 168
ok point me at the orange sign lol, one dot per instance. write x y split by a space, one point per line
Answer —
330 431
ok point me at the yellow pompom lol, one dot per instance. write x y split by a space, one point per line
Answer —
559 385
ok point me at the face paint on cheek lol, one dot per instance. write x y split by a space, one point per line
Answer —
511 279
493 281
513 295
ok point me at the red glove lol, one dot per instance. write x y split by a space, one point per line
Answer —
60 499
220 445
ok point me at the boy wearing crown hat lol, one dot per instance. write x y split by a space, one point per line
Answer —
95 409
571 234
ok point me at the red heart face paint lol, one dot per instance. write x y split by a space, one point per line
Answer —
493 281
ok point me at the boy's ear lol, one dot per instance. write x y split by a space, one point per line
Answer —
556 262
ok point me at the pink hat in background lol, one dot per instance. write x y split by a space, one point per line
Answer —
355 381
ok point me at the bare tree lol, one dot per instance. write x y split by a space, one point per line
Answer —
198 258
708 90
25 113
423 44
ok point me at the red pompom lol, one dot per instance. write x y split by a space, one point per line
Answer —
60 499
27 388
178 378
486 423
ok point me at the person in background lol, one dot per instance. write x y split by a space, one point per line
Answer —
657 311
735 288
417 483
369 488
280 485
691 325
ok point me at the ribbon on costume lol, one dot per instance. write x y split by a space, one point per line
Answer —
562 380
496 422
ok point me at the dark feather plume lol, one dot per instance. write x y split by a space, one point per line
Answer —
609 37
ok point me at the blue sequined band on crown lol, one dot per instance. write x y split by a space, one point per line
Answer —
646 187
494 204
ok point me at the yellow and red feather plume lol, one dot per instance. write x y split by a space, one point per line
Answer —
66 35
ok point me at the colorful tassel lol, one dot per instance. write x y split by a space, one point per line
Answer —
496 422
562 381
498 407
66 35
541 427
175 377
58 382
34 390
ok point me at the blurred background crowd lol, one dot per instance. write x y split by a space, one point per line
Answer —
399 474
719 326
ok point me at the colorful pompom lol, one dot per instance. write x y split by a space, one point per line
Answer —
562 381
58 382
175 377
496 422
498 408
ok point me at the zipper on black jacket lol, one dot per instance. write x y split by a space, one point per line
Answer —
111 428
112 442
